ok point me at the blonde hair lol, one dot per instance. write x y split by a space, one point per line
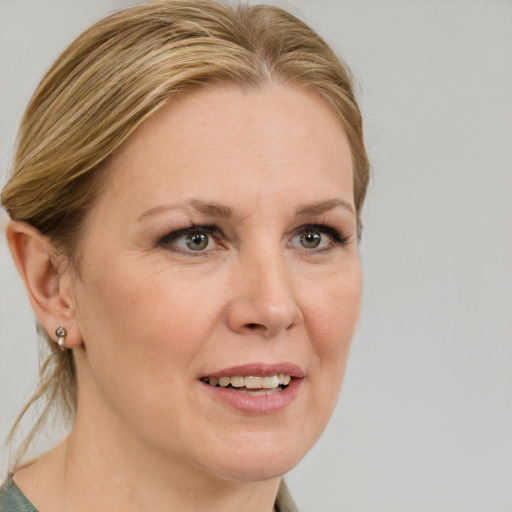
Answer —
121 71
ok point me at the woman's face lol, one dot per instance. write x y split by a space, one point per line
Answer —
219 263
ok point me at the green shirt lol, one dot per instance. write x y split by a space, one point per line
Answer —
13 500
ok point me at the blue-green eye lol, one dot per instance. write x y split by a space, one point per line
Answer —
317 237
310 239
197 241
193 239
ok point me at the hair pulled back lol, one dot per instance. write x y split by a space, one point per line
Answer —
116 75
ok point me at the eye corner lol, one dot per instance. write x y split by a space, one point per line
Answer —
179 240
321 237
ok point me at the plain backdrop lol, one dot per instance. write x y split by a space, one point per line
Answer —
424 422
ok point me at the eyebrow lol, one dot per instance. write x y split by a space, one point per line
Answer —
212 209
206 208
323 206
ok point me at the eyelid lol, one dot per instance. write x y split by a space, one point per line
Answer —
337 236
168 239
209 229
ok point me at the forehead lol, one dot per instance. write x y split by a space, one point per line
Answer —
265 136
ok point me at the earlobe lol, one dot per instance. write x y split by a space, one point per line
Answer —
43 275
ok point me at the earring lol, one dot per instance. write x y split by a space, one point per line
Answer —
61 334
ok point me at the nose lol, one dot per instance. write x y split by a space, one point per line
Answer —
263 300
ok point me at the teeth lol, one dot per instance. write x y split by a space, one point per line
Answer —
250 382
270 382
253 382
237 382
284 379
259 392
223 381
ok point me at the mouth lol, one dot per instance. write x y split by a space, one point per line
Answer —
257 388
251 385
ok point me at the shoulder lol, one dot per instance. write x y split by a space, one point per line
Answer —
284 500
12 499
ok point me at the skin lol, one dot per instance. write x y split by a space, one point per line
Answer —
147 318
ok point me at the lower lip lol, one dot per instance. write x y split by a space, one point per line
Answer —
262 404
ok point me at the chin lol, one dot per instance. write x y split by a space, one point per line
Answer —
259 470
261 457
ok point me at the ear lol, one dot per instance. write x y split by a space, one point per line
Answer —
47 278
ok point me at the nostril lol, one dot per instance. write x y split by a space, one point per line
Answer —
252 326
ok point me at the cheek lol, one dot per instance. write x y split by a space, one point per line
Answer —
144 330
150 311
334 311
141 337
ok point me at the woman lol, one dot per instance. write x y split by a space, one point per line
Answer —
185 204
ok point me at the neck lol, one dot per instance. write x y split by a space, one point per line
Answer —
91 471
129 480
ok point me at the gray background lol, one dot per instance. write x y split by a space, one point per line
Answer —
424 421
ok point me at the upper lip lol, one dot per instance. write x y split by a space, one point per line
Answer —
259 370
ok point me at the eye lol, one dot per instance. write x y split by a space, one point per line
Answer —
198 239
310 239
318 237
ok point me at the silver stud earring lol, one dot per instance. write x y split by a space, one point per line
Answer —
61 334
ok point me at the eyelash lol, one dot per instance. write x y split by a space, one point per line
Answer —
208 229
338 238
